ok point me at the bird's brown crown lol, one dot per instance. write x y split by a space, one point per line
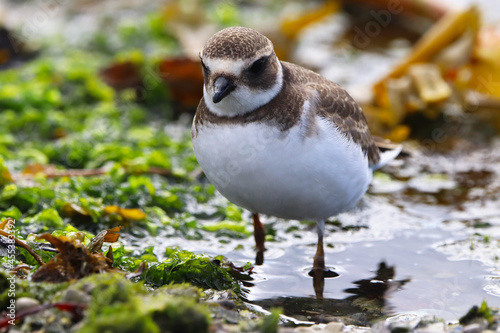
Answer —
236 43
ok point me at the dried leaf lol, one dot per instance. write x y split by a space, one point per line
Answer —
109 255
122 75
184 76
112 235
109 236
443 33
74 261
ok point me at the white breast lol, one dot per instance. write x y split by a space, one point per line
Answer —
284 174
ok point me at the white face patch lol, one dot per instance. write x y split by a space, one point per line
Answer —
243 99
234 67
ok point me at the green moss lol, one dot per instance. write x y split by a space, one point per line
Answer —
270 322
119 305
126 318
178 314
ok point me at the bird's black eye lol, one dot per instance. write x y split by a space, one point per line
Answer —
258 66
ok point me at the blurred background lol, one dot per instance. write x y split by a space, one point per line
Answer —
375 48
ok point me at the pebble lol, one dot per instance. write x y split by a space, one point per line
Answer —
432 328
474 328
25 303
334 327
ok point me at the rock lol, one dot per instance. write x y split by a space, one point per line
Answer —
474 328
334 327
23 303
432 328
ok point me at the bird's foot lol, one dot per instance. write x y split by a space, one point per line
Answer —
327 273
259 257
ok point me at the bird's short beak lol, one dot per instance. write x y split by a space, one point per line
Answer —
222 87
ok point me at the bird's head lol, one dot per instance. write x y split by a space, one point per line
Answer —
241 71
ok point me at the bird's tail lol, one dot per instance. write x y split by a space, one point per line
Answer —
388 151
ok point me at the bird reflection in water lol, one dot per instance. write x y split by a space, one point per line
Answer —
370 292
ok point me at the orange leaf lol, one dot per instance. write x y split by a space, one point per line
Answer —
111 210
185 79
112 235
132 214
122 75
126 213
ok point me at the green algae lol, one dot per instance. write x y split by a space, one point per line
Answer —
480 312
184 266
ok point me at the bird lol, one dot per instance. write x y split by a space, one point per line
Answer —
279 139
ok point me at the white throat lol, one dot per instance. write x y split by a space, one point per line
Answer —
243 99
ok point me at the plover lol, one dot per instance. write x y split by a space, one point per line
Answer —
278 139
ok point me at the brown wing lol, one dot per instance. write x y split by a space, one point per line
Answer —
336 104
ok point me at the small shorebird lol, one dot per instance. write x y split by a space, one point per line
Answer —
278 139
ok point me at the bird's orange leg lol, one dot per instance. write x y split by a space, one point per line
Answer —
260 235
258 232
319 265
